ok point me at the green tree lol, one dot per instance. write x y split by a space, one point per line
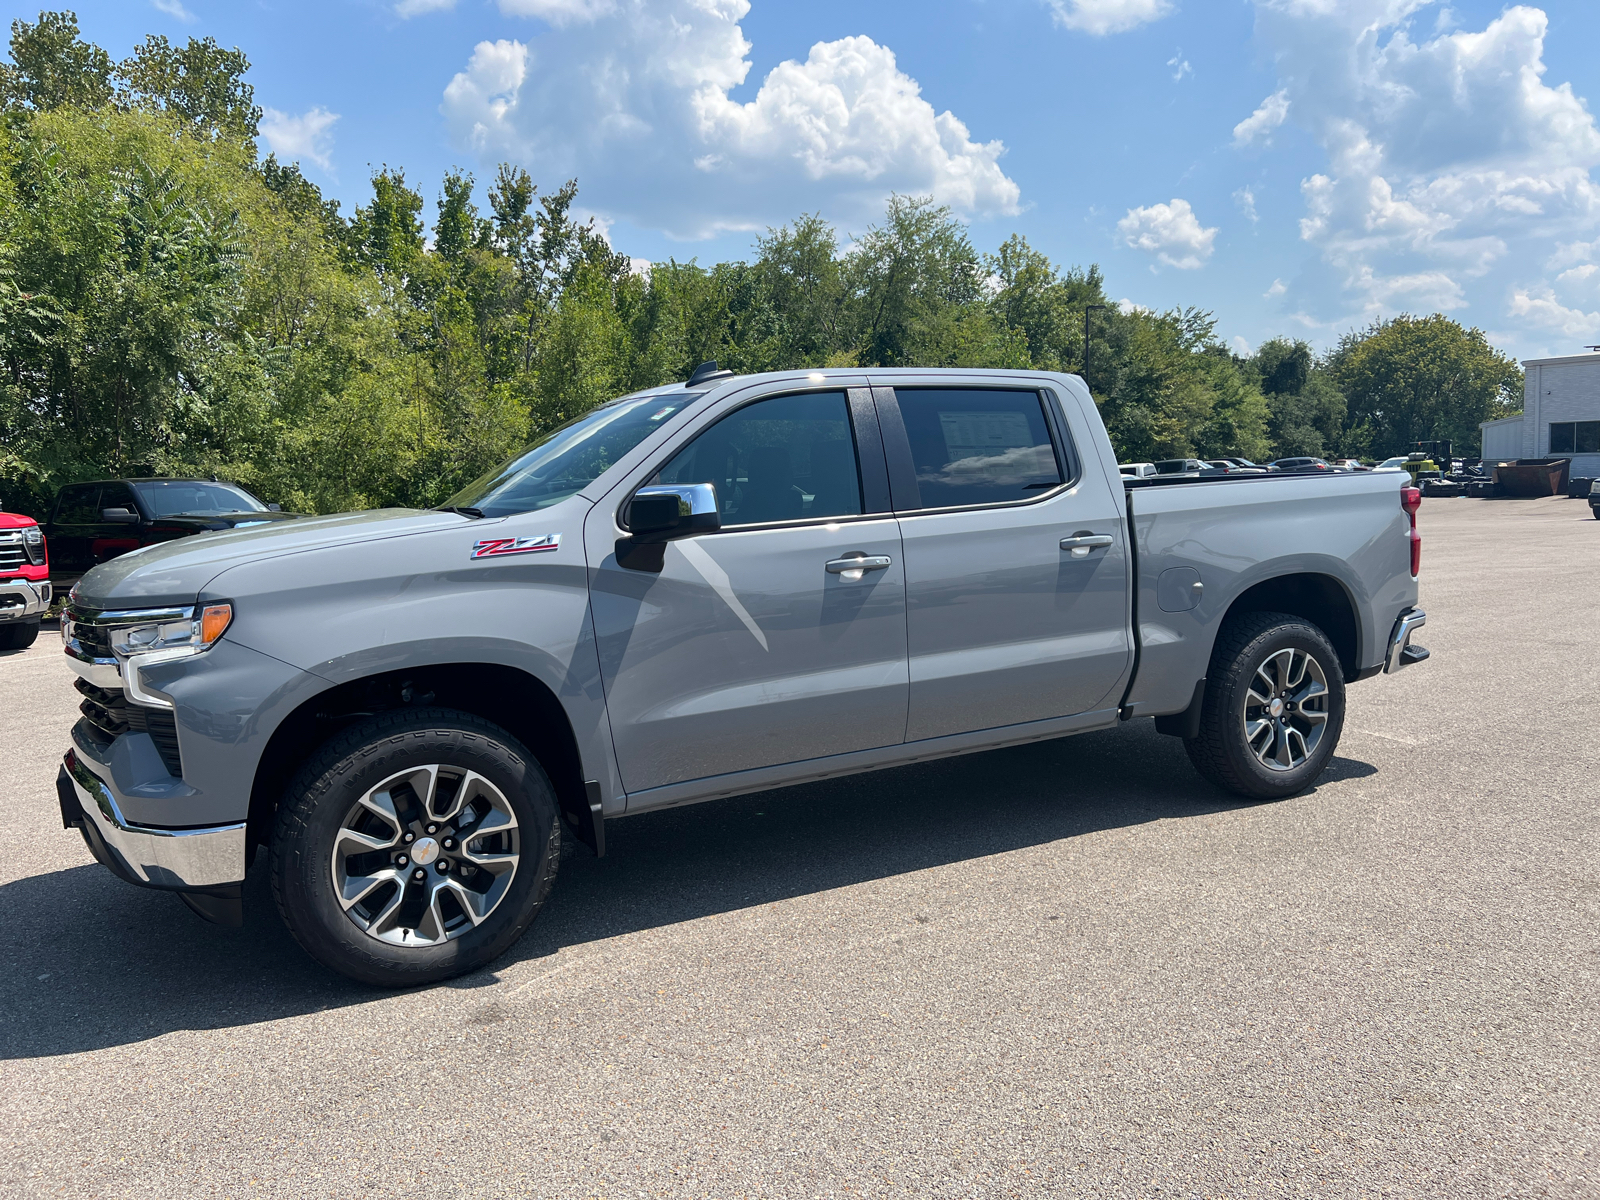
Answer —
456 230
51 67
1409 379
1048 307
1307 408
200 84
386 234
917 285
1169 389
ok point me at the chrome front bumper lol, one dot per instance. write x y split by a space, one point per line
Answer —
23 599
164 858
1401 652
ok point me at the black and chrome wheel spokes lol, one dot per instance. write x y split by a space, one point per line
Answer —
426 855
1286 710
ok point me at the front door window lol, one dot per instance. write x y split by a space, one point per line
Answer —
790 458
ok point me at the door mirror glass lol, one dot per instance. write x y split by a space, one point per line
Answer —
119 516
663 513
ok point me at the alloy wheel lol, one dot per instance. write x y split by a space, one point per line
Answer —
1286 710
426 855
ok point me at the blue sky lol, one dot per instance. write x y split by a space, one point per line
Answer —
1296 166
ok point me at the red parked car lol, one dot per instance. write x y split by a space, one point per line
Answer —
24 580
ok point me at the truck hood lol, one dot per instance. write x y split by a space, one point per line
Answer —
15 521
216 521
175 572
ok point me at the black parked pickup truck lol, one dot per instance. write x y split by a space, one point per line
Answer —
91 523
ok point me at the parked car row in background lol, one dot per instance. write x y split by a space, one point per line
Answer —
1243 466
94 522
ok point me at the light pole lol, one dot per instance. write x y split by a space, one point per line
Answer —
1087 309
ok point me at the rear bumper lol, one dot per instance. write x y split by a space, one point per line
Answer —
1401 652
174 859
23 599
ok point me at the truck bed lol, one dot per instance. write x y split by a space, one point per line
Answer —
1341 536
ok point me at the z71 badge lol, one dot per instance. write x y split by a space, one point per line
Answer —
499 547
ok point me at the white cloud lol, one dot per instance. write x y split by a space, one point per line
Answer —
308 136
1453 168
1277 289
1258 126
1101 17
1543 309
1572 252
173 8
413 8
1180 66
1240 346
1169 231
1245 198
631 97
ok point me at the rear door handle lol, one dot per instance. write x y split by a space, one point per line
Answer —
1079 544
853 567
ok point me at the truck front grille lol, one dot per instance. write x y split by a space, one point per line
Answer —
12 557
109 715
95 639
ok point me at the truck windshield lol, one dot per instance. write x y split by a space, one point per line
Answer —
570 458
186 497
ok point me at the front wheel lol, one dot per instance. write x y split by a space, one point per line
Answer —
20 635
416 846
1273 709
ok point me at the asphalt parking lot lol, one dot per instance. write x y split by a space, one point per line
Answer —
1066 969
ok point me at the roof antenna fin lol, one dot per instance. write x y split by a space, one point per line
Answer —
706 372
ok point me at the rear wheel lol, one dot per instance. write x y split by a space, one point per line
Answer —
416 846
1273 710
19 636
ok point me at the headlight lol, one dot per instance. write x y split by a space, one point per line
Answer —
33 543
172 635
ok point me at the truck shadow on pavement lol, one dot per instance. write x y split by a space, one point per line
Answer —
97 963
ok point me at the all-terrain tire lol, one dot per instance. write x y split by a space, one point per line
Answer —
1222 752
329 785
19 636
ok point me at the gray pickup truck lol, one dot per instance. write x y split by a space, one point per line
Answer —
701 590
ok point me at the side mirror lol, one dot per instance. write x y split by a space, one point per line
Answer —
274 508
663 513
119 516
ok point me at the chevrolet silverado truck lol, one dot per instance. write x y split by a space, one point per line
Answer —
702 590
94 522
24 580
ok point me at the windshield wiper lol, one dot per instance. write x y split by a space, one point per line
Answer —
475 513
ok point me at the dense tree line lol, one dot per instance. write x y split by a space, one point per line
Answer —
171 303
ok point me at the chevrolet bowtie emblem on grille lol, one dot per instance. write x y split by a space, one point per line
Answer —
499 547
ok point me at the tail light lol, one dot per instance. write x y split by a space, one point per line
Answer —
1411 500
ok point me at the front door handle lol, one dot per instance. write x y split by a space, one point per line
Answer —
1079 544
853 566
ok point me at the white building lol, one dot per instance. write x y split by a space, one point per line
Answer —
1560 415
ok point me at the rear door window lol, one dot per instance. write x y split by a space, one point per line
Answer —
978 446
76 505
